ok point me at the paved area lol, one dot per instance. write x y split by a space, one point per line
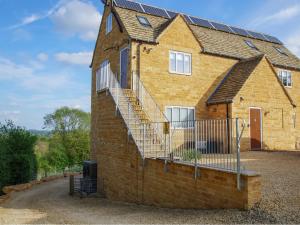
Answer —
50 202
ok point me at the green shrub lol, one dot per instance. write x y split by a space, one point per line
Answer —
18 162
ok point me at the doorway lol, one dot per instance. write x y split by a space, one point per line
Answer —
255 129
124 66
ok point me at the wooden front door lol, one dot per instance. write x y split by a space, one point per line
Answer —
255 128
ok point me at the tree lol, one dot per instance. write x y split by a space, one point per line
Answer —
70 134
18 162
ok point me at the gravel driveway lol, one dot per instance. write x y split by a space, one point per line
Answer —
50 202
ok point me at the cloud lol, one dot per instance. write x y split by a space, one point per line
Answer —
9 115
77 18
280 16
70 17
37 17
78 58
42 57
29 77
293 43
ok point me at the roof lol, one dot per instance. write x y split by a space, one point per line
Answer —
235 80
213 41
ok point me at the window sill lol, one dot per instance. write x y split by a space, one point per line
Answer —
180 74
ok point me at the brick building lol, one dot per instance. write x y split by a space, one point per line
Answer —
188 69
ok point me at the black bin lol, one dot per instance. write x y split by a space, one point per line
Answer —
90 169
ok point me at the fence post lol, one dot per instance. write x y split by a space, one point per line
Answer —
170 140
195 146
71 180
238 163
144 137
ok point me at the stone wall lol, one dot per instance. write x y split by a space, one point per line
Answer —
169 89
123 176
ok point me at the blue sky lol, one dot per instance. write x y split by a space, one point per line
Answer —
46 46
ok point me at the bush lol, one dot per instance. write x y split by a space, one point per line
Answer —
18 162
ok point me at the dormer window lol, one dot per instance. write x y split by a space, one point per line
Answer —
144 21
280 51
109 23
251 45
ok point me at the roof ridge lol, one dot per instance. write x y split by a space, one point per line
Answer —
257 35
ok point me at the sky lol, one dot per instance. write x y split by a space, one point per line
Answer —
46 46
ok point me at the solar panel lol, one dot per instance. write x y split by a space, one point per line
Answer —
193 20
257 35
188 19
240 31
155 11
172 14
221 27
273 39
201 22
129 5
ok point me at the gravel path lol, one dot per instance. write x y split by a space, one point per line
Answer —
50 202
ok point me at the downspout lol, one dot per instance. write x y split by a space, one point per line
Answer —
138 69
139 58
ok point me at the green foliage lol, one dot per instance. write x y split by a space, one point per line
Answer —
190 155
18 162
69 143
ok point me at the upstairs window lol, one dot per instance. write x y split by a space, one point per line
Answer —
180 63
280 51
102 76
144 21
109 23
286 77
251 45
181 117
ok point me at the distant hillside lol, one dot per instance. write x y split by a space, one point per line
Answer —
41 133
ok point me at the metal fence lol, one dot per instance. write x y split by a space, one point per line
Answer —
206 143
82 185
210 143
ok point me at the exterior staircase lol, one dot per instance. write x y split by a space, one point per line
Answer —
133 107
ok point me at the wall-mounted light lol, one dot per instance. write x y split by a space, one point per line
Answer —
266 113
241 98
148 50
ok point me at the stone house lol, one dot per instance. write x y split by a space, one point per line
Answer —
190 69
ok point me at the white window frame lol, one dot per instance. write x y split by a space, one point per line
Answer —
182 107
289 74
176 69
109 23
102 76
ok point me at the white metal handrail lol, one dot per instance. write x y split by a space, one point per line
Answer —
147 102
144 134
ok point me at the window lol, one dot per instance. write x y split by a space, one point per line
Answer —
144 21
109 23
250 44
280 51
180 63
181 117
102 76
285 77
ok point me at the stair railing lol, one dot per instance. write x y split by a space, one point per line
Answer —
143 133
